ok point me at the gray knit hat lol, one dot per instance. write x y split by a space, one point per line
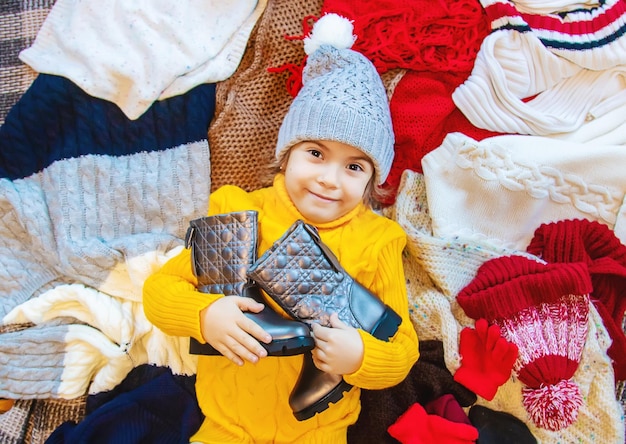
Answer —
342 98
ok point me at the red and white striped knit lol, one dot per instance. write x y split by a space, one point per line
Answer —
543 309
593 38
595 244
550 339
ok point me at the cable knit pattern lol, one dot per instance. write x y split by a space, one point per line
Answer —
538 181
82 226
92 203
499 190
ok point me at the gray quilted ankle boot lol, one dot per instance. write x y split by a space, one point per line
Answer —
305 278
223 247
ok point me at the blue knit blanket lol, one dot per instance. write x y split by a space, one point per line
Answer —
90 204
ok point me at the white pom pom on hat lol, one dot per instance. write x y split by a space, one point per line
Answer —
342 98
330 29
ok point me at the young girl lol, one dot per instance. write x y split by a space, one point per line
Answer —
334 147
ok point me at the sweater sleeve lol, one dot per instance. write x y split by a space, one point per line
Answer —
386 364
170 299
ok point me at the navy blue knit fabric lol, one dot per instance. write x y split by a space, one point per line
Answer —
55 120
160 411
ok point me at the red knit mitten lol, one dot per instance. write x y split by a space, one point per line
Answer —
486 359
415 426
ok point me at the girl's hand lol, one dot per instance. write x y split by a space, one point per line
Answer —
230 332
338 349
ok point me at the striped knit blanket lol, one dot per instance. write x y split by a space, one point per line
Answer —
91 203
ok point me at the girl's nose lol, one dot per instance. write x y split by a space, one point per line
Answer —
329 176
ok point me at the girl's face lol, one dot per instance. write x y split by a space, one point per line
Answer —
326 179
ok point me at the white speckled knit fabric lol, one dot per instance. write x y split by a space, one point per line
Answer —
133 53
440 266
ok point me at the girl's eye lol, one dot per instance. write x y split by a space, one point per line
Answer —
315 153
355 167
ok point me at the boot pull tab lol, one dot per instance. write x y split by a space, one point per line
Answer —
190 243
325 250
189 236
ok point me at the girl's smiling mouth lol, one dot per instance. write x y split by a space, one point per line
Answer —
322 198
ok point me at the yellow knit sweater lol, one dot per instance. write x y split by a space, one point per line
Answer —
250 403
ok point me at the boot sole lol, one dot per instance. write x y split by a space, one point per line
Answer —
319 406
386 327
289 347
283 347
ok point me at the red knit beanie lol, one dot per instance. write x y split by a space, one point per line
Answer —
506 285
543 309
581 240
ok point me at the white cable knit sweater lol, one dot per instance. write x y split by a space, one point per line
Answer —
542 73
502 188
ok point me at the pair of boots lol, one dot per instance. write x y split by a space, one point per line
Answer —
303 276
223 247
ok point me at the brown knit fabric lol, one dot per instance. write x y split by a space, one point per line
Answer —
428 380
32 421
251 104
48 414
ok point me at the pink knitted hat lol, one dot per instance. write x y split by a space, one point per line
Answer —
543 309
581 240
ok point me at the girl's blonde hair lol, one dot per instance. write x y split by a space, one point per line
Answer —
374 195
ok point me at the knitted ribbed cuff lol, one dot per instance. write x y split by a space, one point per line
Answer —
505 285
